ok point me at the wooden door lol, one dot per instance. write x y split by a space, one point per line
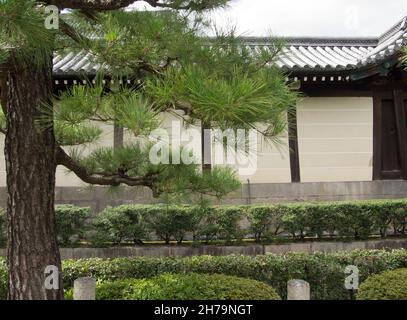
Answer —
391 163
390 136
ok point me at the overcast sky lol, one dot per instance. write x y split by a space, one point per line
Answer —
359 18
313 17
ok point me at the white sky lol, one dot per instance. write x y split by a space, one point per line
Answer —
332 18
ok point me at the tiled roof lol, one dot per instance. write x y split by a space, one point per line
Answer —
299 54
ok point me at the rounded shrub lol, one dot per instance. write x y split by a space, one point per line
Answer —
389 285
3 279
186 287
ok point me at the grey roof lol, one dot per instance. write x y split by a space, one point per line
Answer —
299 54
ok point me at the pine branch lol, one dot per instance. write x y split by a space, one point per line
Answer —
72 33
99 5
106 5
111 180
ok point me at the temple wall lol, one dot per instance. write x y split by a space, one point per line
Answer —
335 139
335 144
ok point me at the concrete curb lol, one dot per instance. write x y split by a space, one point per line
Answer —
249 250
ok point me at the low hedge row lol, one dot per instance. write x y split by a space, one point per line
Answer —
137 223
325 272
191 286
358 219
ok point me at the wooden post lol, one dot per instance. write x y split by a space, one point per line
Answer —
377 136
84 289
298 290
206 148
293 145
401 129
118 137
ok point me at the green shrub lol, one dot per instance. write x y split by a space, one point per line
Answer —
294 220
357 219
320 219
186 287
172 222
265 221
3 279
208 228
389 285
228 219
122 223
324 271
389 213
70 222
399 220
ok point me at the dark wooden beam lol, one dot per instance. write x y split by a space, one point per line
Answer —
377 137
401 124
206 147
293 145
118 137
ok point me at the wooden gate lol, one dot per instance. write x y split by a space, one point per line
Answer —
390 136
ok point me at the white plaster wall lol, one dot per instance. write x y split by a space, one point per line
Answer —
335 144
335 139
67 179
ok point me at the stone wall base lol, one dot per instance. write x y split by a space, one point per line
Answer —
99 197
213 250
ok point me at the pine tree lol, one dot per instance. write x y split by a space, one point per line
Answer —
170 66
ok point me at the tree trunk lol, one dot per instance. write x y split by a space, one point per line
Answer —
31 166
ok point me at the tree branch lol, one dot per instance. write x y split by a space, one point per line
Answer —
71 33
105 5
64 159
99 5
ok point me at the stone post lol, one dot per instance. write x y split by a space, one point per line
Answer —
84 289
298 290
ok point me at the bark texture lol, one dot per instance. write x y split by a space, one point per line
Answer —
31 166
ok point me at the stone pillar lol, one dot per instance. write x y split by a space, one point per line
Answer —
84 289
298 290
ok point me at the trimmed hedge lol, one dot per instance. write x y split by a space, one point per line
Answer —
3 279
356 219
118 224
389 285
191 286
70 221
137 223
325 272
167 222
